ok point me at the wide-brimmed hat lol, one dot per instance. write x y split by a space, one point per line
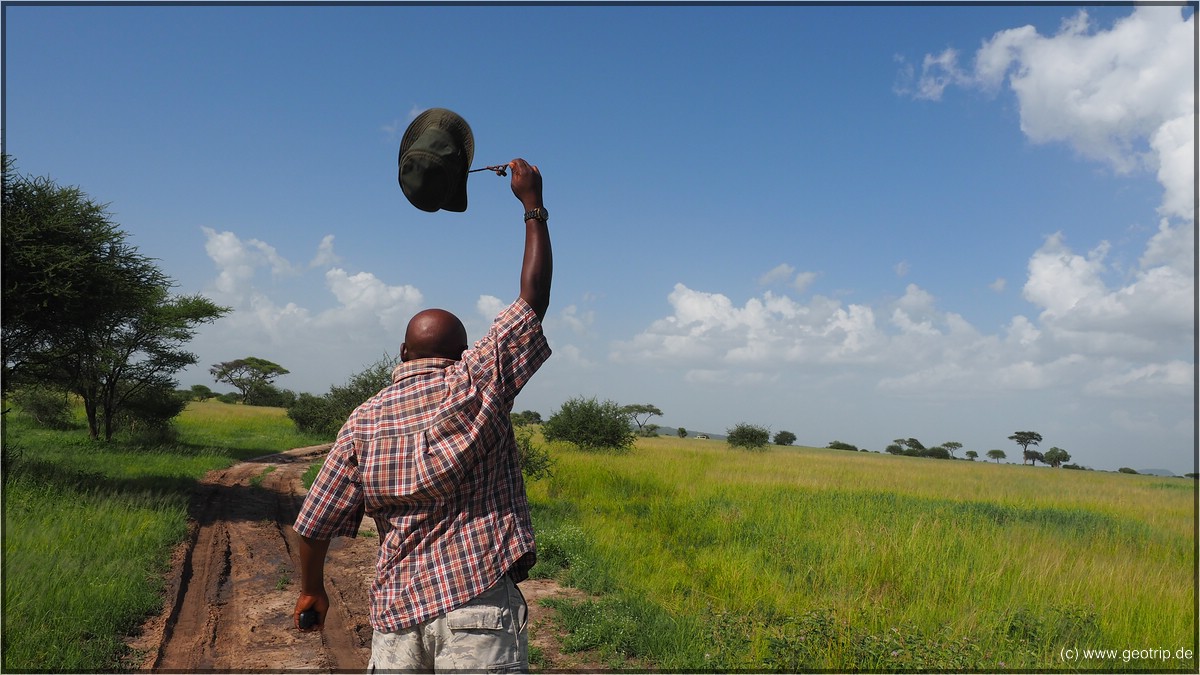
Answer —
435 154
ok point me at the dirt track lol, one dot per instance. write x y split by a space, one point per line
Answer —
233 584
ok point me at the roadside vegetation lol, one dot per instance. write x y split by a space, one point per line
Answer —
89 526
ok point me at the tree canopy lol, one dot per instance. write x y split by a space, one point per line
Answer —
641 413
83 310
251 376
1026 439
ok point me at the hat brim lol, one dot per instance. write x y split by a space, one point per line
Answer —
456 126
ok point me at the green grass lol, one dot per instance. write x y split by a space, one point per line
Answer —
802 559
89 526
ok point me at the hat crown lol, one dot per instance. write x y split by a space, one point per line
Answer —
435 154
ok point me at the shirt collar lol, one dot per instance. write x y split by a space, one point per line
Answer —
419 367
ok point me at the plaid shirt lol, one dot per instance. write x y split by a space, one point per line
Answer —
433 461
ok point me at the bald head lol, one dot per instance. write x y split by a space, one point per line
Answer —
434 333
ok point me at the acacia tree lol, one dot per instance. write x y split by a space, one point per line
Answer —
952 446
1026 439
636 410
784 438
251 375
996 455
82 309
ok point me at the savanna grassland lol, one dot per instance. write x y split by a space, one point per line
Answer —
800 558
699 557
89 527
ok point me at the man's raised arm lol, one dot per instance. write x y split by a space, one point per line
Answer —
537 267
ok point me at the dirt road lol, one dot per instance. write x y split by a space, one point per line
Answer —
233 584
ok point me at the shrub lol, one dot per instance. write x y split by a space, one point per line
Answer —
46 406
229 398
314 415
590 425
748 436
535 459
1126 469
838 445
325 415
147 414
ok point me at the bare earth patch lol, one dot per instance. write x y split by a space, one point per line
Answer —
233 584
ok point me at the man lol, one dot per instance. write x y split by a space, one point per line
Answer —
433 460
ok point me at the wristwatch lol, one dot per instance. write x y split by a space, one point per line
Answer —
538 214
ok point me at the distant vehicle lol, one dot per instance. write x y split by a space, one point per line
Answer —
701 435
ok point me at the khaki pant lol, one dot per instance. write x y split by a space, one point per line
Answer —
486 635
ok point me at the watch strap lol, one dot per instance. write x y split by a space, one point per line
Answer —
537 214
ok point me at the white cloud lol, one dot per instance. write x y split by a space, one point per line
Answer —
1153 313
803 280
325 256
1123 96
359 319
999 284
902 268
779 273
489 306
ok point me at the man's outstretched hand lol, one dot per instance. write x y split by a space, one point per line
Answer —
526 183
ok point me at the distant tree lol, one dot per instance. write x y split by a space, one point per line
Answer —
649 431
894 449
996 455
638 411
525 417
936 452
1056 456
1126 469
682 432
748 436
200 392
952 446
1026 439
784 438
839 445
1032 456
248 375
1192 475
590 425
972 455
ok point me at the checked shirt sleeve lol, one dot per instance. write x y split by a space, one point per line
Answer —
334 505
512 351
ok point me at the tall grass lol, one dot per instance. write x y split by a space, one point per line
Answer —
89 526
827 559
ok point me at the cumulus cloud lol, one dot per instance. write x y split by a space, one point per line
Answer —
360 318
1081 312
1123 96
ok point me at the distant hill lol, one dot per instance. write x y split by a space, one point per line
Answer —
1156 472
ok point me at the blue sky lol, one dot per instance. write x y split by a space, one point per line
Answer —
852 223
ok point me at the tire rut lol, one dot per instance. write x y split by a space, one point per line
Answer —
234 581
